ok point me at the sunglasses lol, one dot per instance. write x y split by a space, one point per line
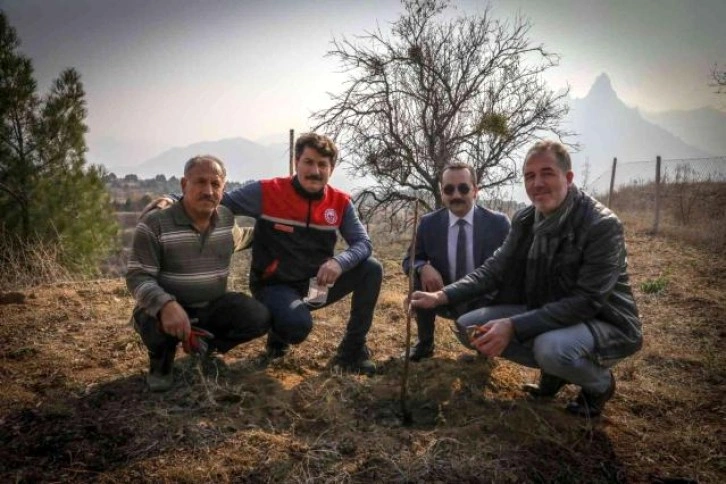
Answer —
463 188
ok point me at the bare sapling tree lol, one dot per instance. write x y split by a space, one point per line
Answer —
434 89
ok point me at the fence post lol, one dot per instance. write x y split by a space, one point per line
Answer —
612 183
657 195
292 136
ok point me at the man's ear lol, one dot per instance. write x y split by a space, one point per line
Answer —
570 175
183 184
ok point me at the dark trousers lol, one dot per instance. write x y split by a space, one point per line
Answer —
292 320
425 318
233 318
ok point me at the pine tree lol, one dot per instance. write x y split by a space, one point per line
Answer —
18 109
47 193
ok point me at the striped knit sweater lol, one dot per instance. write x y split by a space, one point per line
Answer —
170 260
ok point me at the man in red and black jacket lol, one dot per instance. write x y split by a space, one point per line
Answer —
298 219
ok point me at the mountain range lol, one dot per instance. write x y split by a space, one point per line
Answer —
605 128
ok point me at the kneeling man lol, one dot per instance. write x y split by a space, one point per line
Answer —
564 268
178 273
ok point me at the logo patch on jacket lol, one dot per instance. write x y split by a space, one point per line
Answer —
283 228
331 216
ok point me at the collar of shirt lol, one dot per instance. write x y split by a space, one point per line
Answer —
182 218
469 217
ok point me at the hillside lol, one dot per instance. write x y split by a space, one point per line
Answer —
74 407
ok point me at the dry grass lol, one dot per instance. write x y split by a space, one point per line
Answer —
691 212
74 407
29 264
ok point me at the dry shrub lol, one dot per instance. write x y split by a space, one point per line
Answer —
25 264
691 211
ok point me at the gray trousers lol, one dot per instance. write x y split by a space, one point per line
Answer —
568 353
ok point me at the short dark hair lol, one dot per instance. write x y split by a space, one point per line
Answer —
459 165
320 143
562 156
196 160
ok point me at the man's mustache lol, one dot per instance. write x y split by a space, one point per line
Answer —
314 177
454 201
207 197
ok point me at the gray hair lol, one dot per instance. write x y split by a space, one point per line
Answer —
562 156
197 160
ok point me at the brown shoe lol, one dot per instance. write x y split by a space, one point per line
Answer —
547 387
590 404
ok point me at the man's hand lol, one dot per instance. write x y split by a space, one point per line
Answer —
158 203
431 280
427 300
329 272
174 320
492 338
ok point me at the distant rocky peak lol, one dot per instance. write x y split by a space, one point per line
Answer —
602 88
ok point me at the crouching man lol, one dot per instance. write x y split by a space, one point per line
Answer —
177 273
564 264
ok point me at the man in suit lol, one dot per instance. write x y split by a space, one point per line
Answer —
570 309
450 243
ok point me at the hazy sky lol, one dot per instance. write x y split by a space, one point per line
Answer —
167 73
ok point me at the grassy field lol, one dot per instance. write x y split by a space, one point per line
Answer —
74 407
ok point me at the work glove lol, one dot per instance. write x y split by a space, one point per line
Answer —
197 341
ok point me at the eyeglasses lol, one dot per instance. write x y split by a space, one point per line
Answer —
463 188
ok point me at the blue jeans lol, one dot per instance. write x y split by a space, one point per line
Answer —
568 353
292 320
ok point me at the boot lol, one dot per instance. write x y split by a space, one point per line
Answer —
275 347
419 352
161 370
590 404
355 362
547 387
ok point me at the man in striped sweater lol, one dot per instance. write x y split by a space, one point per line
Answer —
178 273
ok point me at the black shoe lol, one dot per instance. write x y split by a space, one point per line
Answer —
358 363
419 352
276 350
161 371
547 387
590 404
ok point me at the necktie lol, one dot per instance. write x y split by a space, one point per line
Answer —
461 250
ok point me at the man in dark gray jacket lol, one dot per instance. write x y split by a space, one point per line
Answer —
562 273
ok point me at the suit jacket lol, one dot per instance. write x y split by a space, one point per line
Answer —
490 230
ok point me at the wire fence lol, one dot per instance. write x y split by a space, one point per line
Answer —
682 197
